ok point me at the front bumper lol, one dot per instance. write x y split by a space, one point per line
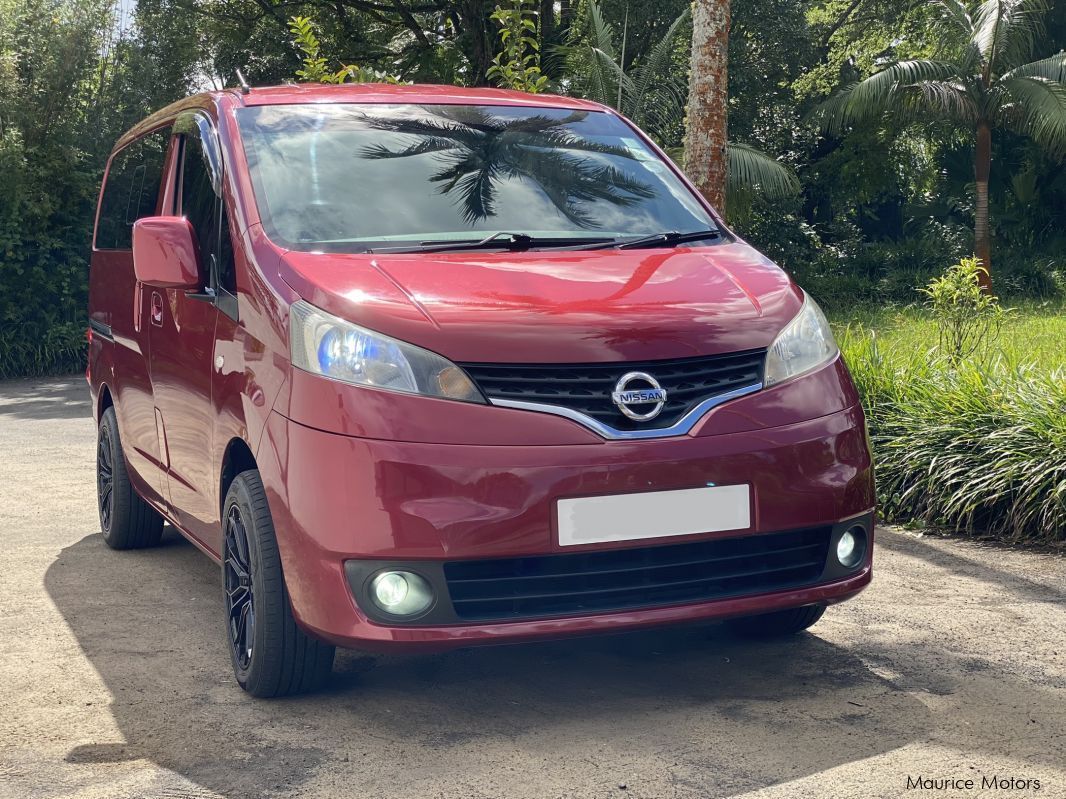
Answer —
338 499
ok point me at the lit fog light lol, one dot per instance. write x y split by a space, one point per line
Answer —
852 547
401 593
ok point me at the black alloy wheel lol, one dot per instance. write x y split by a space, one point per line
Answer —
240 594
105 482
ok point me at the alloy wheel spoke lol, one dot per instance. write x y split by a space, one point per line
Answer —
240 597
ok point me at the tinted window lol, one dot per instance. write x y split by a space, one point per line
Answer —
132 190
342 177
206 211
198 200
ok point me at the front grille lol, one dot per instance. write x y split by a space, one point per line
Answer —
561 585
587 387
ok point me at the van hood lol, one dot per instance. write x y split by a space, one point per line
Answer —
557 307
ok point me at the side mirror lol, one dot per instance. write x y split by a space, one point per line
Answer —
165 255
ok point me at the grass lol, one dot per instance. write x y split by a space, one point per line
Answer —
1034 333
978 448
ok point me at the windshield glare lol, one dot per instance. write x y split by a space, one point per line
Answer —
344 177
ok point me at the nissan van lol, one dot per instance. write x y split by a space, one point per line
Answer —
426 367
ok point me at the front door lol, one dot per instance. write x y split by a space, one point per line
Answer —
183 340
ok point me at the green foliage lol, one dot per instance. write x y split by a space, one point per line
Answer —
969 318
517 65
651 92
315 66
62 104
974 448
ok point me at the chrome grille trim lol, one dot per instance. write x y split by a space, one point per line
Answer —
680 428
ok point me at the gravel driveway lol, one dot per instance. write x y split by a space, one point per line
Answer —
115 681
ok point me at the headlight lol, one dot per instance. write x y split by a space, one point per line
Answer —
325 345
806 343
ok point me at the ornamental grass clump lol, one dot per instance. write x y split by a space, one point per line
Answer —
973 447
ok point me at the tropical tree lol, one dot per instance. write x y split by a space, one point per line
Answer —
708 100
652 94
988 83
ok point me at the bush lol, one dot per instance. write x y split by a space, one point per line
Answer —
979 449
31 351
968 318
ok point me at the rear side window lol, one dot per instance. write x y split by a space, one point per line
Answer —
132 190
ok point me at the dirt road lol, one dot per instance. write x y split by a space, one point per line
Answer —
114 678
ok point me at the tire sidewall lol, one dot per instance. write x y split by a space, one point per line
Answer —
268 603
109 430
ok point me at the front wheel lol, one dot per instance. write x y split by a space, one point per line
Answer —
779 623
271 655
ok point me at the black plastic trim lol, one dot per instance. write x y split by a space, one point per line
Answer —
443 612
100 329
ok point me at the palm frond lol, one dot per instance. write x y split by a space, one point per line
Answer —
870 98
591 57
600 31
378 150
1006 31
937 99
957 12
656 94
1036 107
753 170
1052 68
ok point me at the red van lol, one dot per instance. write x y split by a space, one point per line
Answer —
426 367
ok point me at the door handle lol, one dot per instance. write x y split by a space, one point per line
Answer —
157 309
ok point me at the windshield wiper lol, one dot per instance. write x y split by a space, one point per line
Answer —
670 238
513 242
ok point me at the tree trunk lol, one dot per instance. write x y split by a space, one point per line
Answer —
566 18
705 153
982 236
547 24
548 62
477 39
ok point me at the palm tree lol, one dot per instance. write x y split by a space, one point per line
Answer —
989 84
477 149
652 94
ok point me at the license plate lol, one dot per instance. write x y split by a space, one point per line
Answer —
653 514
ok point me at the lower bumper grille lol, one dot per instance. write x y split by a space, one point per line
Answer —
573 584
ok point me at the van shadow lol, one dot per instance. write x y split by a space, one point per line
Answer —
742 714
45 398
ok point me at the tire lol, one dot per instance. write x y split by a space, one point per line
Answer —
271 655
773 625
126 520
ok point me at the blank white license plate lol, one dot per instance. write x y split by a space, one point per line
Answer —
653 514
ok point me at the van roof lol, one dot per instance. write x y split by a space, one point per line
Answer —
406 93
357 93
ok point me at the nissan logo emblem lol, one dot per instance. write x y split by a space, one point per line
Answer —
639 389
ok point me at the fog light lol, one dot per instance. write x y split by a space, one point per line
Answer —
852 547
401 593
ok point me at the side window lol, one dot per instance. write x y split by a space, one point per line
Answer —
206 210
132 189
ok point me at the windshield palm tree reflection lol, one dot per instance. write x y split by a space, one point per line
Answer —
478 150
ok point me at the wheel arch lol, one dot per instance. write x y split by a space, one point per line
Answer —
237 458
104 401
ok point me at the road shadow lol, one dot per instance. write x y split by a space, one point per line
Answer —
957 561
741 715
149 622
45 398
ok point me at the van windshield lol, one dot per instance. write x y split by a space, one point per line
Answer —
347 178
